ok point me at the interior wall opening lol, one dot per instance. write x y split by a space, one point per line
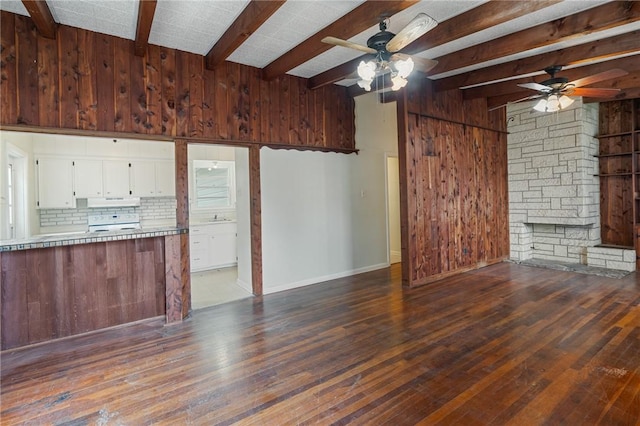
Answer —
219 224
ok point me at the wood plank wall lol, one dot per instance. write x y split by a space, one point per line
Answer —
454 195
60 291
90 81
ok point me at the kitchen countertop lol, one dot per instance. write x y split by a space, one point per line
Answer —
73 238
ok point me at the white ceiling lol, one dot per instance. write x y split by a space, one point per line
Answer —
196 25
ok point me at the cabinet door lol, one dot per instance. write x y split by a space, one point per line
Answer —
143 179
165 178
88 178
115 175
223 245
55 183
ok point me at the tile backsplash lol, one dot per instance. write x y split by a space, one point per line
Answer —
153 212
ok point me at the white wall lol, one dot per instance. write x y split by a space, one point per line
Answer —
324 214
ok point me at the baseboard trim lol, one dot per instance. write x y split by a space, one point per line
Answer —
316 280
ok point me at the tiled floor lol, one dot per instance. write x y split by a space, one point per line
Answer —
217 286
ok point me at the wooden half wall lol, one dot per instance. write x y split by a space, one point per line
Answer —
89 81
453 183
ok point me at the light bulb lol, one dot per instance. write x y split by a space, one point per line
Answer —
398 82
365 84
565 101
367 70
404 68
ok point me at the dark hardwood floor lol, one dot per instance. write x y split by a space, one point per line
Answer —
507 344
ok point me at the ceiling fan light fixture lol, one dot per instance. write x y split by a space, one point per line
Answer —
367 70
553 103
541 105
565 101
365 84
398 81
404 68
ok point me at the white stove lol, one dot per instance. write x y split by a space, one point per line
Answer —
113 222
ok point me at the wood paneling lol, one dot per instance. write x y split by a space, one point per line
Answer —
60 291
453 163
96 82
505 345
255 212
173 273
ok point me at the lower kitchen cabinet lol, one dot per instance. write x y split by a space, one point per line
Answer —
213 245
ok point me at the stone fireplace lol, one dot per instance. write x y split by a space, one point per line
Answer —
554 197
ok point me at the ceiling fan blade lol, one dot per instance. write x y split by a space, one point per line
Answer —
535 86
605 75
344 43
418 26
593 92
421 64
528 98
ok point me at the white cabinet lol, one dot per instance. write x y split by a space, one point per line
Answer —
143 179
55 183
88 178
213 245
153 178
115 178
166 178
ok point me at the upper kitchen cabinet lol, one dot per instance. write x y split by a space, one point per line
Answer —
115 175
88 178
153 178
54 183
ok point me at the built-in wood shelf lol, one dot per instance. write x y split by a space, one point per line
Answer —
614 135
614 174
619 166
617 154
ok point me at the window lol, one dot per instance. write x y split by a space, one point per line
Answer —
214 184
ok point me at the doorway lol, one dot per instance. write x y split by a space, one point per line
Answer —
393 208
219 224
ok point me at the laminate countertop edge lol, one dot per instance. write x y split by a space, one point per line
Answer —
68 239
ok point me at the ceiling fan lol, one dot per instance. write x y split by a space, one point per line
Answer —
385 46
554 92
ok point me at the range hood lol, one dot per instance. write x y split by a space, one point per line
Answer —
113 202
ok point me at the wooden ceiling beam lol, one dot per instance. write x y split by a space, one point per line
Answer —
42 17
146 10
359 19
587 52
252 17
485 16
337 73
606 16
629 64
477 19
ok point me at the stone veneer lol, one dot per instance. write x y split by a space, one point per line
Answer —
554 197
